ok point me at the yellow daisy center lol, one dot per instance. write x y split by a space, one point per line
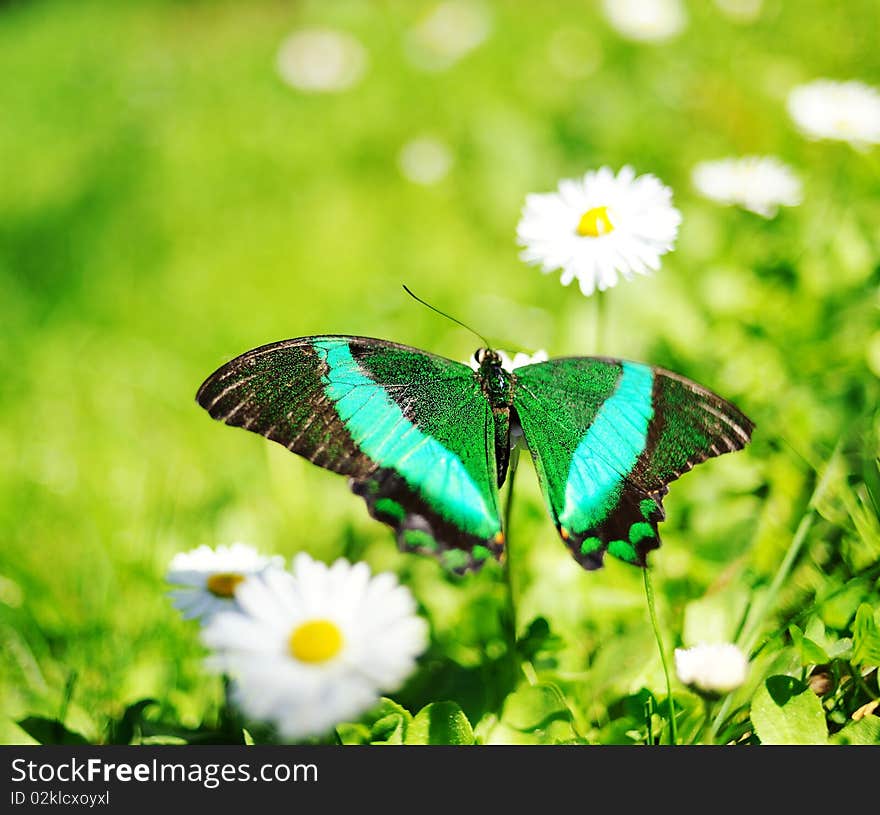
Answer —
594 223
315 641
222 584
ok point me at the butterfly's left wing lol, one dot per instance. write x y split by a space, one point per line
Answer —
607 436
411 430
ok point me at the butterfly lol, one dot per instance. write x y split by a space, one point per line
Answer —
426 441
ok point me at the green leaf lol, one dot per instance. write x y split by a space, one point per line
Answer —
866 638
124 730
535 706
865 731
162 732
810 652
166 739
353 733
389 723
50 731
633 719
246 737
539 640
440 723
534 714
785 711
841 649
838 610
832 483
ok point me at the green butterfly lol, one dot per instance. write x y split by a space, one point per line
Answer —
426 441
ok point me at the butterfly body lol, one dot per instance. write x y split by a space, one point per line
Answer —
497 385
425 441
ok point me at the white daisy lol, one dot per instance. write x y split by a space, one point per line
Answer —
646 20
845 111
317 647
208 578
425 160
321 60
598 227
759 184
518 360
712 669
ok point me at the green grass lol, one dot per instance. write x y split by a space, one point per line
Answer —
167 202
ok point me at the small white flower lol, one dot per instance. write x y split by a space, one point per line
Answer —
713 669
425 160
447 33
314 648
518 360
845 111
598 227
320 60
209 577
759 184
646 20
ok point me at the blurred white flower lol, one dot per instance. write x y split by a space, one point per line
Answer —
518 360
208 578
425 160
646 20
845 111
314 648
712 669
759 184
447 33
741 11
321 60
598 227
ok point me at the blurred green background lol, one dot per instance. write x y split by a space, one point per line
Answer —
168 201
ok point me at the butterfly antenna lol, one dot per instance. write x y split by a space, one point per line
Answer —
486 342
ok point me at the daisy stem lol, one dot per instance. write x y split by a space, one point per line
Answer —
703 736
649 594
508 570
228 716
600 321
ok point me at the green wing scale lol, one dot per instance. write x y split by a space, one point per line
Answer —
607 436
412 431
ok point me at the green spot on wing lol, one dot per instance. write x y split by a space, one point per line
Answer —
640 531
647 507
480 552
418 539
390 507
623 550
590 545
455 559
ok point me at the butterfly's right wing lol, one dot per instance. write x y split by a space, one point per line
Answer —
412 430
607 436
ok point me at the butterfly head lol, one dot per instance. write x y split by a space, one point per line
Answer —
487 356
